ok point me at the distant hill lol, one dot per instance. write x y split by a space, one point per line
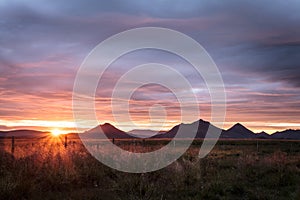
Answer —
187 129
238 131
287 134
107 129
23 133
263 135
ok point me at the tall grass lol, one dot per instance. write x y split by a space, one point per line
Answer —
45 169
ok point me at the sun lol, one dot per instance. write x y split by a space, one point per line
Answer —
56 132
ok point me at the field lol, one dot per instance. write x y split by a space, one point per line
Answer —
235 169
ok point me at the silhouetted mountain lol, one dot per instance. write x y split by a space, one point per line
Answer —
109 130
187 130
23 133
238 131
263 135
287 134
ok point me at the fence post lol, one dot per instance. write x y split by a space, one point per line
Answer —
13 144
66 141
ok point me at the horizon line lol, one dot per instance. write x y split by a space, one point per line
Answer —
67 130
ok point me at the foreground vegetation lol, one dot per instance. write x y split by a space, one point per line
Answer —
46 169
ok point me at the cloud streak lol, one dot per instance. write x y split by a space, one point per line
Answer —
255 44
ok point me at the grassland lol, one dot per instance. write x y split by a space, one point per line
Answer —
45 169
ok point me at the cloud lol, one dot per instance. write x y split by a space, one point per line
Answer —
255 44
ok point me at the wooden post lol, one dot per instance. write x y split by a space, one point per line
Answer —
257 145
113 140
13 144
66 141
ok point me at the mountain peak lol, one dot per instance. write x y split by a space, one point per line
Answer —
106 124
263 135
238 126
240 131
263 132
203 121
108 129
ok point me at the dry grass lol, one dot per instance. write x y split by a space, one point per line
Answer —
45 169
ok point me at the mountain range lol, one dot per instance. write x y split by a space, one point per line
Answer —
24 133
237 131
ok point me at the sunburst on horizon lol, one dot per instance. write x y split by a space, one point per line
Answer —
56 132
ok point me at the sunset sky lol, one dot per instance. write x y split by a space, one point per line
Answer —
255 44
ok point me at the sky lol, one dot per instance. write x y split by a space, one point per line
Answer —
255 44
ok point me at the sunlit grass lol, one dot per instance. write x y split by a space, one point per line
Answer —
45 168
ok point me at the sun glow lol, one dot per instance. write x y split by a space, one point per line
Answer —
56 132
